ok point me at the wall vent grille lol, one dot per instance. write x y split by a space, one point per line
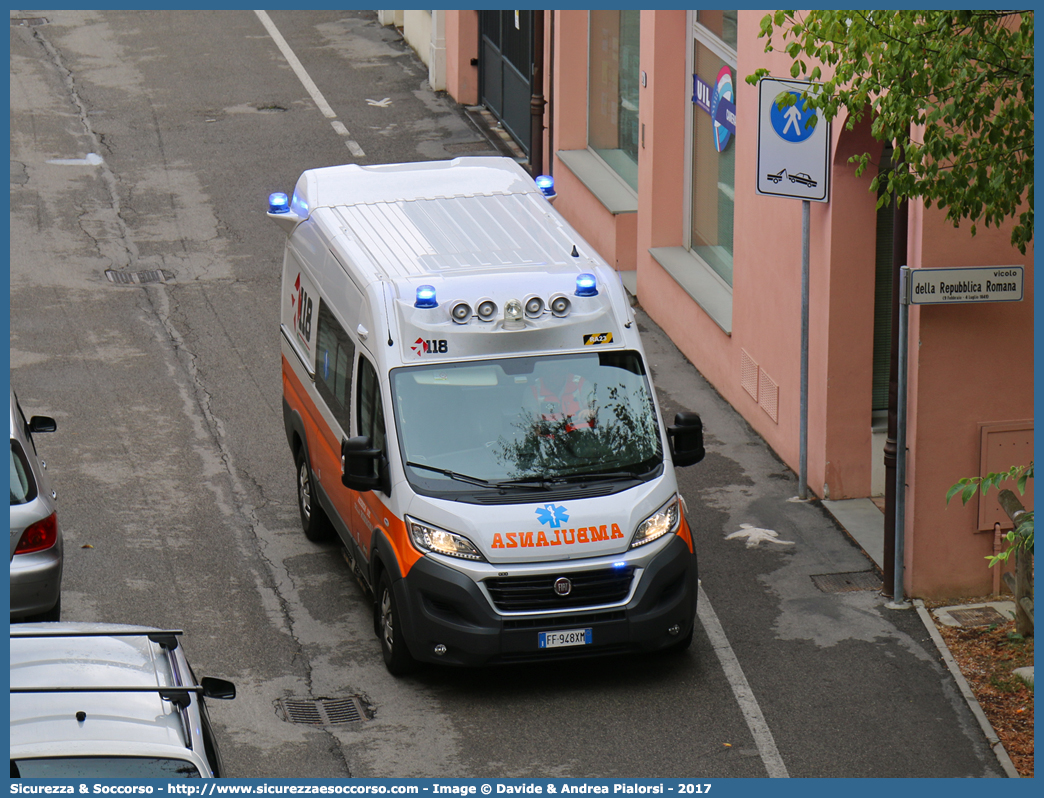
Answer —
749 374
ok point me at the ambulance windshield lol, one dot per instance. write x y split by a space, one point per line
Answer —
528 421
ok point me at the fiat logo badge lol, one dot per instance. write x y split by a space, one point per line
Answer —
563 587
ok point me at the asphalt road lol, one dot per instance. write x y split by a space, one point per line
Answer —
145 144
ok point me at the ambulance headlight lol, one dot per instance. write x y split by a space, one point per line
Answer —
534 306
486 309
278 203
426 297
586 285
461 312
438 541
664 521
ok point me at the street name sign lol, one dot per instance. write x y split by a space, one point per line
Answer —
965 284
793 144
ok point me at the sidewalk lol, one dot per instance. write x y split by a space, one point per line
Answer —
863 521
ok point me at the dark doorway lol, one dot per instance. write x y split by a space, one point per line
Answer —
506 70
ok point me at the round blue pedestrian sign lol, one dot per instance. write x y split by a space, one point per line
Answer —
795 123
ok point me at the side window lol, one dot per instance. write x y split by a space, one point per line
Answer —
23 487
371 409
333 365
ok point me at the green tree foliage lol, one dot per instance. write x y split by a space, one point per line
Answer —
952 89
1021 537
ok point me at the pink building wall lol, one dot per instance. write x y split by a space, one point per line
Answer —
661 197
969 364
944 554
566 82
462 33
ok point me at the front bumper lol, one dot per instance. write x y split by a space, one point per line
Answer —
440 606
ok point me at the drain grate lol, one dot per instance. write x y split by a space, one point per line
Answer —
27 22
322 711
847 583
977 616
137 278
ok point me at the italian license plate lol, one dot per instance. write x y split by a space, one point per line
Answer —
571 637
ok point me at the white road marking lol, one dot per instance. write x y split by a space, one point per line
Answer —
306 81
385 103
741 689
91 160
754 536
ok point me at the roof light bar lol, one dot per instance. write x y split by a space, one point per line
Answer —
426 297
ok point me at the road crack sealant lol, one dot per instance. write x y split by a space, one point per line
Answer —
127 254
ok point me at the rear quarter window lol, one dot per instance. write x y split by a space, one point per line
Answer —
23 486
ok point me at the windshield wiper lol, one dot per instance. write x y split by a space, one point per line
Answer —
485 483
546 483
598 476
536 482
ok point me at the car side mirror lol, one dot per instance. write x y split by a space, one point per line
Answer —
686 439
217 688
360 464
42 424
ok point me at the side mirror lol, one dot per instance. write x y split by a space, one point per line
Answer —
217 688
42 424
360 464
686 438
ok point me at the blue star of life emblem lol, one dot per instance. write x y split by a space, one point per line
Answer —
552 516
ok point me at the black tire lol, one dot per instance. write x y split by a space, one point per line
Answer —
397 657
316 525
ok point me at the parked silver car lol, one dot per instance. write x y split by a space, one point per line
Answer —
98 700
36 537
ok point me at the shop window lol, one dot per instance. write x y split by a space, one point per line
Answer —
721 23
613 75
713 154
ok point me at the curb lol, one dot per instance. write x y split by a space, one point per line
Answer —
991 736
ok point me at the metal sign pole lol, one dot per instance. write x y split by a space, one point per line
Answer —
803 455
794 162
898 602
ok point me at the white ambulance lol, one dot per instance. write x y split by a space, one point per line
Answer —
470 412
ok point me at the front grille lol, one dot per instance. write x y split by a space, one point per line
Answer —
547 622
537 593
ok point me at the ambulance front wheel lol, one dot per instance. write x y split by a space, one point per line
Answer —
316 525
397 657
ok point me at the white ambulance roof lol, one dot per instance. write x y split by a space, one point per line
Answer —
426 219
352 184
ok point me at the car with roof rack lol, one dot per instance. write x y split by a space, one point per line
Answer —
96 700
